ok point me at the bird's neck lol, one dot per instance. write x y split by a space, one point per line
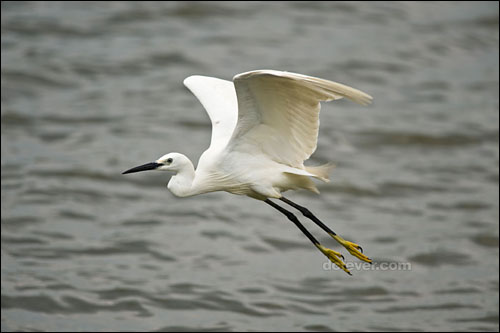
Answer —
181 184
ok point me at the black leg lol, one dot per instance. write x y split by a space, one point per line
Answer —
353 248
307 213
294 219
334 256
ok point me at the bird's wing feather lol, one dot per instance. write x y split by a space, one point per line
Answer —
218 97
279 112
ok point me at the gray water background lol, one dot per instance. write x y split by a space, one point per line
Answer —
91 89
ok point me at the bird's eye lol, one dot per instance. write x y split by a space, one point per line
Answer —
169 160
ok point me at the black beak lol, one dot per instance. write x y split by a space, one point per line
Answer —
144 167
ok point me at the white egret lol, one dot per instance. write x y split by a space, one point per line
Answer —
264 126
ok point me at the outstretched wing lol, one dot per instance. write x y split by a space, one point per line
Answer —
278 112
218 97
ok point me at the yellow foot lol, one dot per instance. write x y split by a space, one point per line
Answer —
353 248
334 257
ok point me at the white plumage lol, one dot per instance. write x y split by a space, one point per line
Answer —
264 126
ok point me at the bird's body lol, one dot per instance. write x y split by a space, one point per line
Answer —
264 126
239 173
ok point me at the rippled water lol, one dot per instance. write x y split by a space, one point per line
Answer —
91 89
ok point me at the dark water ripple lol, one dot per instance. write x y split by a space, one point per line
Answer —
90 90
69 305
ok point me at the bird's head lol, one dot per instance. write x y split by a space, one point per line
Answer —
168 162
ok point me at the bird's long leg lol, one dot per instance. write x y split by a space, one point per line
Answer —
334 256
353 248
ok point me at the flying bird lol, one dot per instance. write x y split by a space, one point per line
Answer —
264 126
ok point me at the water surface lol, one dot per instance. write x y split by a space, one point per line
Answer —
91 89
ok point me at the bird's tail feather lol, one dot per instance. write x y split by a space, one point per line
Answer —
321 171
